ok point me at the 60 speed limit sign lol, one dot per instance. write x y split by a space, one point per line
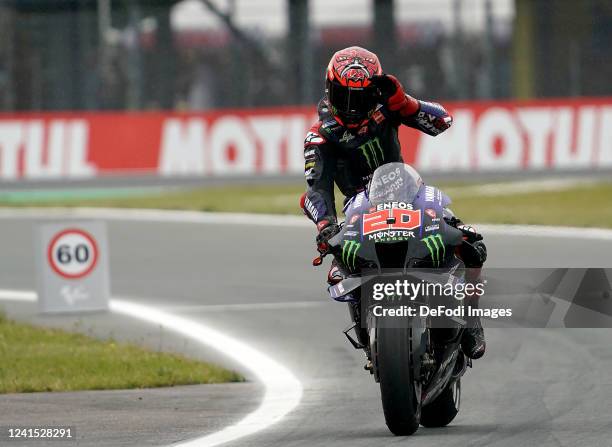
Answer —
72 253
72 264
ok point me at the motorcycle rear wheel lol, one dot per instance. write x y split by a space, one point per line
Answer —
444 408
397 385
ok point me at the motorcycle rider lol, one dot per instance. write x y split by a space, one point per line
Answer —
357 131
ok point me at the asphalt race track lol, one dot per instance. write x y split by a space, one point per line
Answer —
539 387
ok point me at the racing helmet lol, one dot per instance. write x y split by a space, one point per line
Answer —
348 85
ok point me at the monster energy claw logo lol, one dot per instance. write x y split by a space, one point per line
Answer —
435 245
349 253
371 150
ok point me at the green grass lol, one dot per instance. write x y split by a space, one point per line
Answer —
585 205
39 359
282 199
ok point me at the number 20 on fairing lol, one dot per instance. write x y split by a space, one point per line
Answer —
391 219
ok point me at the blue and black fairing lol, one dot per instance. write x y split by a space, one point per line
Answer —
428 245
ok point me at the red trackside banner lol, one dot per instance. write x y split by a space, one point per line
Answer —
485 136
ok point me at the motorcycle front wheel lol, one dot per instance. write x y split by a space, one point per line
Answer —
397 383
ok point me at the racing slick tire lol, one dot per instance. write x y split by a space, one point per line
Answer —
444 408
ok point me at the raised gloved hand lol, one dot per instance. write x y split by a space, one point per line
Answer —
429 117
327 230
392 94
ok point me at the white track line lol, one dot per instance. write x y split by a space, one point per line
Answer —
283 391
205 308
148 215
545 231
17 295
270 220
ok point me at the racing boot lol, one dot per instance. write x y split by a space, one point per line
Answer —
473 341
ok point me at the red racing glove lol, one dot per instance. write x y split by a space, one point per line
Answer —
393 95
428 117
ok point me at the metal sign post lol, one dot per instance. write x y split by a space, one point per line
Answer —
72 267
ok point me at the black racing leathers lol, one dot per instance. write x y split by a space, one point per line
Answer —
348 157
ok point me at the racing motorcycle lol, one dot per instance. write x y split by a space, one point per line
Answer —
397 225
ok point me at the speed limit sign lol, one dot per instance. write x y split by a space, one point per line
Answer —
73 267
72 253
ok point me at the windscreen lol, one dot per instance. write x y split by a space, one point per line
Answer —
394 182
